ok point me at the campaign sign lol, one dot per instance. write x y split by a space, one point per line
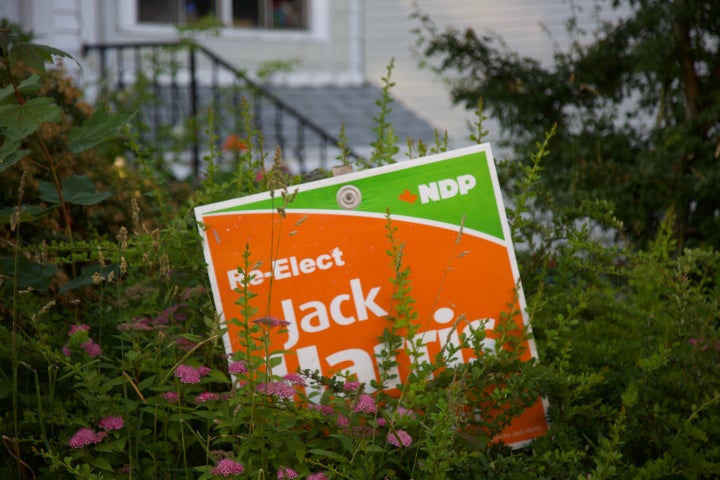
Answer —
322 265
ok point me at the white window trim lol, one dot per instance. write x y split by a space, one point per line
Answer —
318 23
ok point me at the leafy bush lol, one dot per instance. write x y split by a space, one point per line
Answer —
116 366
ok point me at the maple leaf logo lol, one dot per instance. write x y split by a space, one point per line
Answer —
408 196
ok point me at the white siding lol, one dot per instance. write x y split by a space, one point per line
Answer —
53 22
10 9
65 24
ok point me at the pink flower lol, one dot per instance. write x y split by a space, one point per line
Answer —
365 404
85 437
703 344
317 476
170 396
271 322
66 351
285 472
381 422
227 467
351 386
276 389
399 438
206 396
185 344
342 421
188 293
78 328
294 379
402 411
113 422
326 409
188 374
91 348
237 368
138 324
170 312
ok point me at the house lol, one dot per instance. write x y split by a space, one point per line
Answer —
328 56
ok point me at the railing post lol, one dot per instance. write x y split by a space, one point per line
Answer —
120 68
103 71
194 115
156 105
300 143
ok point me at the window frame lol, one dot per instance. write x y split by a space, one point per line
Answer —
318 19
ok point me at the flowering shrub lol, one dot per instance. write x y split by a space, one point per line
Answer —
113 422
188 374
85 437
227 468
286 473
399 438
81 342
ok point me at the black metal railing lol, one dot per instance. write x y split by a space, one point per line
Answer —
184 81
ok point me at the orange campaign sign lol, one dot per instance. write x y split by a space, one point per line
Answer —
323 267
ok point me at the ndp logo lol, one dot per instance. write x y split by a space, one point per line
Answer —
441 189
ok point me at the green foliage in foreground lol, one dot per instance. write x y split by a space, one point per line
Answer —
115 368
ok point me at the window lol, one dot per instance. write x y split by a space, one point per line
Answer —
176 12
287 14
263 14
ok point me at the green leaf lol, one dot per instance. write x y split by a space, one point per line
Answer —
76 189
10 155
29 274
5 389
30 85
373 449
48 192
20 121
193 337
36 55
218 376
148 382
132 355
630 396
102 126
322 453
346 442
274 361
102 463
28 213
300 454
104 448
6 93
